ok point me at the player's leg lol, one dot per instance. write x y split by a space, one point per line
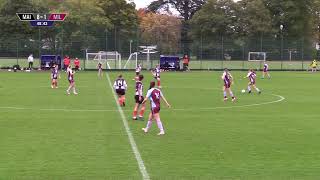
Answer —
123 99
249 87
74 88
231 94
256 88
135 111
224 89
159 82
69 88
143 108
120 99
53 84
159 123
149 123
56 83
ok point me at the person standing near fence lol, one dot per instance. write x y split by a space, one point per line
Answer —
77 64
66 62
186 60
30 61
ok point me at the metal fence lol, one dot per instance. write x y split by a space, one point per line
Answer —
207 53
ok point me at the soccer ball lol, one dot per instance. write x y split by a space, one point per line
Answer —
243 91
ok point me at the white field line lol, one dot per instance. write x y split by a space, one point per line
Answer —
281 98
133 144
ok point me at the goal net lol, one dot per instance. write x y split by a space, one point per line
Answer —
111 59
257 56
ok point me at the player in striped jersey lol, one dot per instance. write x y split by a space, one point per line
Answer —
155 95
227 80
120 86
156 75
252 81
139 99
138 70
72 85
54 76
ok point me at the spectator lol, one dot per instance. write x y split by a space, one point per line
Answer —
30 61
185 62
77 64
66 62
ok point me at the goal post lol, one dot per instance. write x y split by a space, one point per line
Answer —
257 56
108 58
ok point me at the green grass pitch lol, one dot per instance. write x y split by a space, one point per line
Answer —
45 134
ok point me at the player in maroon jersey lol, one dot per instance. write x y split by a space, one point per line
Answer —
265 71
155 95
139 99
72 84
227 79
99 66
54 76
252 81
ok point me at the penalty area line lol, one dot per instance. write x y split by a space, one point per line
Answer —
133 144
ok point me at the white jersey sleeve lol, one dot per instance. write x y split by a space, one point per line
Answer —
125 84
149 93
115 85
248 74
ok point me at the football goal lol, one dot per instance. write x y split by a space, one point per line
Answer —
257 56
112 59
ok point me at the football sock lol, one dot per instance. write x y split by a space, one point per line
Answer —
224 94
159 83
135 112
142 110
249 88
258 89
149 124
231 94
159 123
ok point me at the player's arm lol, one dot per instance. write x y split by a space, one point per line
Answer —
165 100
115 85
125 84
147 97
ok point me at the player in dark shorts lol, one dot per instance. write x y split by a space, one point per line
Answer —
120 86
99 66
139 99
227 80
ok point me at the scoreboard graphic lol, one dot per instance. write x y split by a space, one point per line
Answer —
45 20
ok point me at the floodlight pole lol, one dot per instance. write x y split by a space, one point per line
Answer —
281 28
131 46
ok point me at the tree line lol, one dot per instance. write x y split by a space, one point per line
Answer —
115 24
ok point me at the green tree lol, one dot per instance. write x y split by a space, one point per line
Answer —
162 30
216 18
186 8
9 22
124 22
